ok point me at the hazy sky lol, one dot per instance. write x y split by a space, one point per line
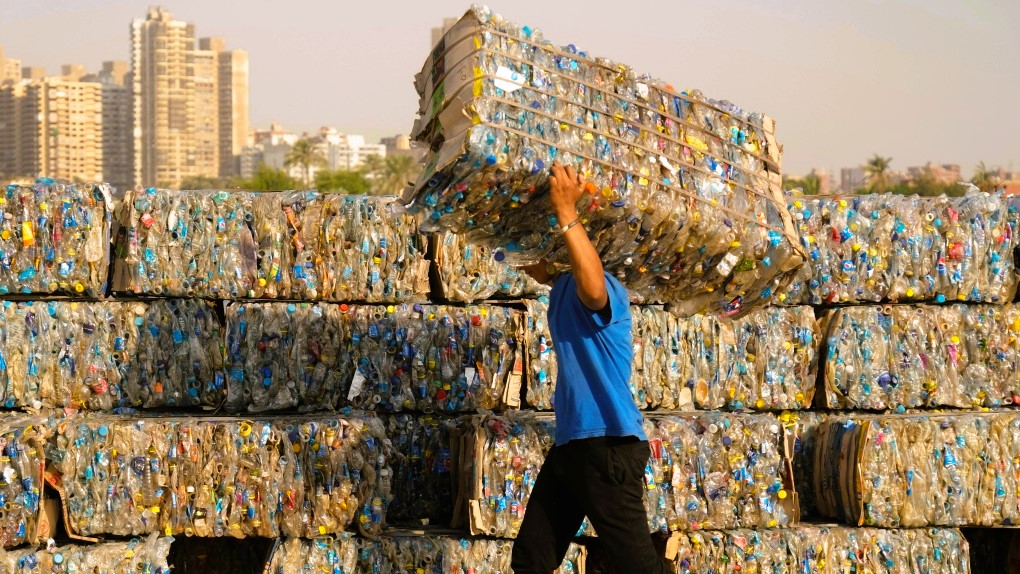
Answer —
916 80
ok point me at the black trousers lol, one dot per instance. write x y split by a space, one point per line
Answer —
601 478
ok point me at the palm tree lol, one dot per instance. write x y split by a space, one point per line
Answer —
304 153
877 169
984 178
398 171
372 167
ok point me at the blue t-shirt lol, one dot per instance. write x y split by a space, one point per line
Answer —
594 351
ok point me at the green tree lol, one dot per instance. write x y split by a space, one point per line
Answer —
397 172
877 169
268 179
341 180
984 178
373 166
305 155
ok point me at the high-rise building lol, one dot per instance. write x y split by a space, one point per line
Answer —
851 179
33 73
205 61
72 72
58 129
163 89
184 113
400 144
233 110
437 33
118 148
945 174
10 70
11 97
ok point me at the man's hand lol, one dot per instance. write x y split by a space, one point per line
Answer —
565 188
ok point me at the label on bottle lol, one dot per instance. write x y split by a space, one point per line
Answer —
356 384
508 80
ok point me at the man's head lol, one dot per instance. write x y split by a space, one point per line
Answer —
540 272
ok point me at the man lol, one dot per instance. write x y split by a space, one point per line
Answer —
596 469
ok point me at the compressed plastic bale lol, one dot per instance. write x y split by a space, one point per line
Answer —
139 555
914 470
22 443
301 245
54 238
436 358
186 244
684 202
922 356
765 360
429 358
422 471
468 272
286 355
889 248
294 476
822 549
105 355
704 471
401 552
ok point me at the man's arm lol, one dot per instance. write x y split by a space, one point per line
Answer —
565 188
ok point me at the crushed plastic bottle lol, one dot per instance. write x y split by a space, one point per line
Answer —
900 357
765 360
54 238
683 199
292 476
22 445
823 549
469 272
920 470
148 555
107 354
889 248
428 358
299 245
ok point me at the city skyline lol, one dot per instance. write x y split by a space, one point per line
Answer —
901 78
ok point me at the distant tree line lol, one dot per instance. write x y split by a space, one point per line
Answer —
879 180
376 176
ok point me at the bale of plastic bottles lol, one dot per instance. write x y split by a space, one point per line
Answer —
105 355
822 549
802 428
405 552
765 360
22 445
918 470
54 238
147 555
922 356
300 245
428 358
422 469
684 203
468 272
212 477
704 471
889 248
